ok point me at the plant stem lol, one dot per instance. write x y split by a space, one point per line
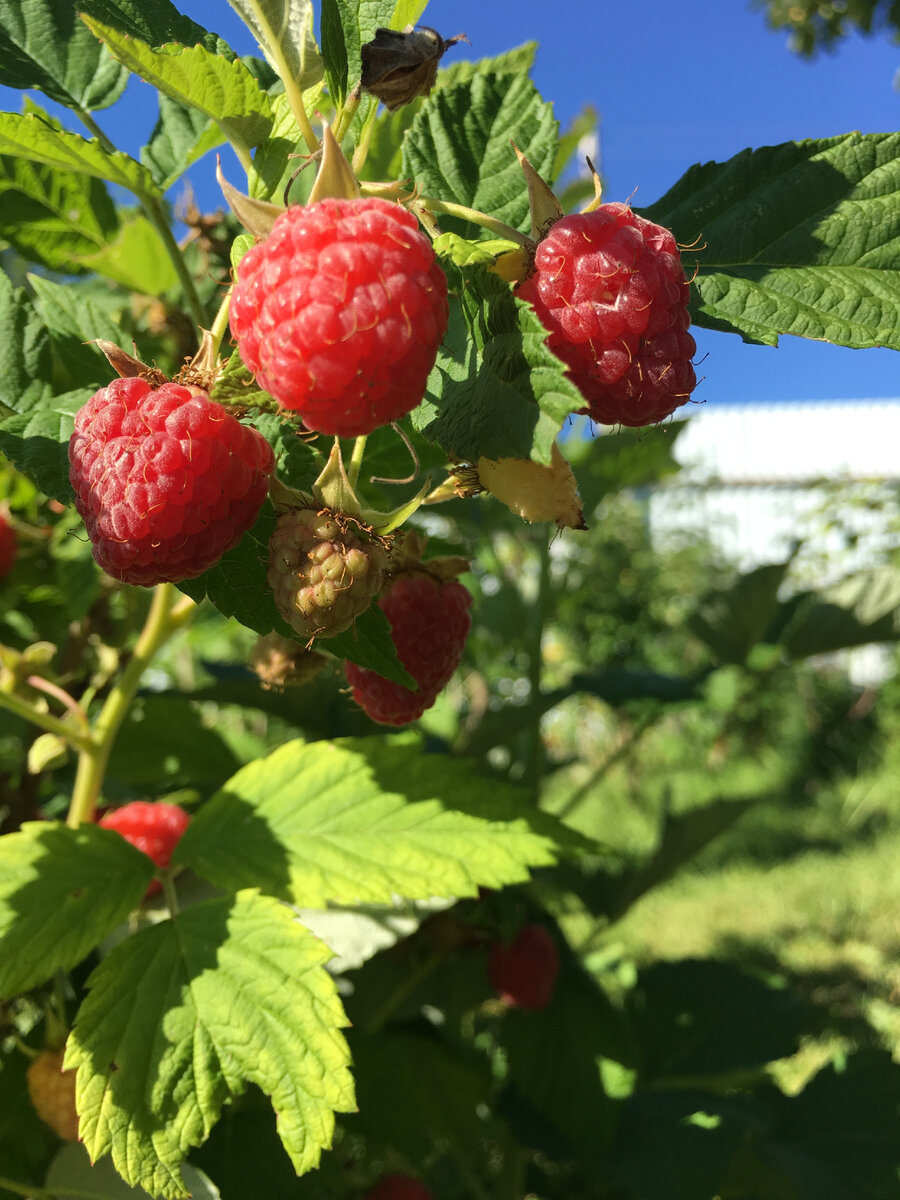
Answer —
535 768
355 465
451 209
162 621
21 708
155 214
220 321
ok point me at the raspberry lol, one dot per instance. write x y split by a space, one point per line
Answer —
153 828
610 288
9 544
429 624
52 1092
524 972
165 479
340 312
280 662
324 570
399 1187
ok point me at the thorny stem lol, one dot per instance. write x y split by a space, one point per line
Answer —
154 212
162 621
355 465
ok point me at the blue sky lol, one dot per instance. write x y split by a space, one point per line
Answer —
674 83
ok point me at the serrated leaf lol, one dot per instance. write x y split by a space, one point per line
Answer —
297 462
283 153
181 137
284 31
62 891
224 90
72 1172
369 644
51 216
44 45
136 257
178 1019
33 138
363 821
496 390
156 22
74 321
458 148
854 612
517 61
732 622
36 442
25 352
798 238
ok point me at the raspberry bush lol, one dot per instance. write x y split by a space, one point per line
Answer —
315 600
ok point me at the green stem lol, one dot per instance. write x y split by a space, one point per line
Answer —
451 210
21 1189
356 460
155 214
535 769
345 116
80 741
162 621
220 322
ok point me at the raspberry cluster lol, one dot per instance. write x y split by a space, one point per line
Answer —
166 480
610 288
429 622
339 313
324 570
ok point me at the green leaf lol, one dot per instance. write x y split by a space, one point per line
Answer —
25 354
496 390
178 1019
284 31
458 148
732 622
854 612
181 137
62 891
35 139
36 442
53 217
157 22
798 238
73 1173
224 90
164 740
364 820
283 153
74 320
44 45
517 61
137 258
28 1144
369 644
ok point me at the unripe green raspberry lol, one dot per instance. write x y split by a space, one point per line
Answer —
325 568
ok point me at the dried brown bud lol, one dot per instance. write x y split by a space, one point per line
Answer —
397 65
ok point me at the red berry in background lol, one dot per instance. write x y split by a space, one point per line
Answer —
610 288
339 313
165 479
9 544
429 623
154 828
523 973
399 1187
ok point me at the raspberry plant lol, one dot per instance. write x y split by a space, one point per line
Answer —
381 328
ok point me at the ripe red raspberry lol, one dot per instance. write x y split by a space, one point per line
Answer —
166 480
524 972
610 288
324 570
340 312
153 828
52 1092
9 544
429 624
399 1187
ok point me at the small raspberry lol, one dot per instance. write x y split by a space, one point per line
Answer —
324 570
166 480
9 544
610 288
524 972
52 1092
429 624
154 828
340 312
399 1187
280 662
